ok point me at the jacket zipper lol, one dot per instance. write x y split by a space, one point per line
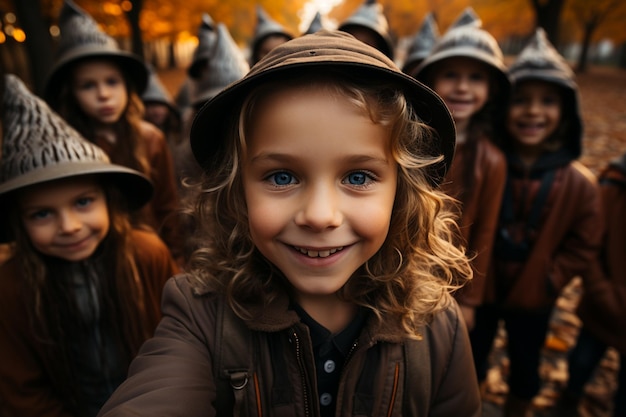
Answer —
305 392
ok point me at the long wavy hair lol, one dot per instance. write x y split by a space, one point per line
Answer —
128 150
55 318
411 275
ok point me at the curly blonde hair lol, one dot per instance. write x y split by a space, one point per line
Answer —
410 277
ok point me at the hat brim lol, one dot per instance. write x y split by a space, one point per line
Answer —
212 123
136 69
136 188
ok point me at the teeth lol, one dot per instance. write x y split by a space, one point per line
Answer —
318 254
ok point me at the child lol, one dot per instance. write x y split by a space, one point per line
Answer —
161 111
328 240
602 307
268 34
82 290
369 25
94 86
466 69
549 226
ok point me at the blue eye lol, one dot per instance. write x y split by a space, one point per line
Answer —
357 178
84 202
282 178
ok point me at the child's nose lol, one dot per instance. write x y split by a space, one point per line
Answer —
103 90
69 222
320 208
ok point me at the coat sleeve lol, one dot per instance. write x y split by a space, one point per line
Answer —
581 243
455 389
172 375
483 230
25 389
166 200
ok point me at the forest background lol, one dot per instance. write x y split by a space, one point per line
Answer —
164 31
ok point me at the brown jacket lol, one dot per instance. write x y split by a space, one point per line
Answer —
25 388
603 305
161 213
173 373
480 209
562 246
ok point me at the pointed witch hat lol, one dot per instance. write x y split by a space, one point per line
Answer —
467 17
315 25
207 37
370 15
422 43
156 92
39 146
539 60
265 27
468 40
226 65
81 38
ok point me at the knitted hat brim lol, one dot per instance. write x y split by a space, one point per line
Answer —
136 188
324 50
128 62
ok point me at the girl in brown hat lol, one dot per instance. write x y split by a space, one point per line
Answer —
465 67
550 224
82 289
95 86
322 287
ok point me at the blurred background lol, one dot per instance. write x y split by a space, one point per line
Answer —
164 31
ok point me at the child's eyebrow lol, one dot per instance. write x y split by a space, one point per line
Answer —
280 157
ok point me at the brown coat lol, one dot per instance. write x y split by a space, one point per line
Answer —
563 246
161 213
25 388
173 373
480 209
603 305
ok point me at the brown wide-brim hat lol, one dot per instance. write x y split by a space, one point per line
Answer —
323 50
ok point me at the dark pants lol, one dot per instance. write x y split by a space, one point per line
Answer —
526 334
583 361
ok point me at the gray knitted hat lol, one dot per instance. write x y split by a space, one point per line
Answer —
467 40
39 146
265 26
156 92
325 50
370 15
315 25
227 64
81 38
468 17
539 60
207 36
422 43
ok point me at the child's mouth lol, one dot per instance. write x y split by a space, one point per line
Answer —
318 253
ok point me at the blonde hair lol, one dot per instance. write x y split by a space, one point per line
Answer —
412 274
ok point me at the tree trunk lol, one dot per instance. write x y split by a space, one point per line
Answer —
135 31
548 15
38 41
584 52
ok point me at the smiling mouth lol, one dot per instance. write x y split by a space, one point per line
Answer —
318 253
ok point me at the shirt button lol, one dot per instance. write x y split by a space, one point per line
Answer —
329 366
326 399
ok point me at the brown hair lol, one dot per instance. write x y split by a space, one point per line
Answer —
128 150
55 318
